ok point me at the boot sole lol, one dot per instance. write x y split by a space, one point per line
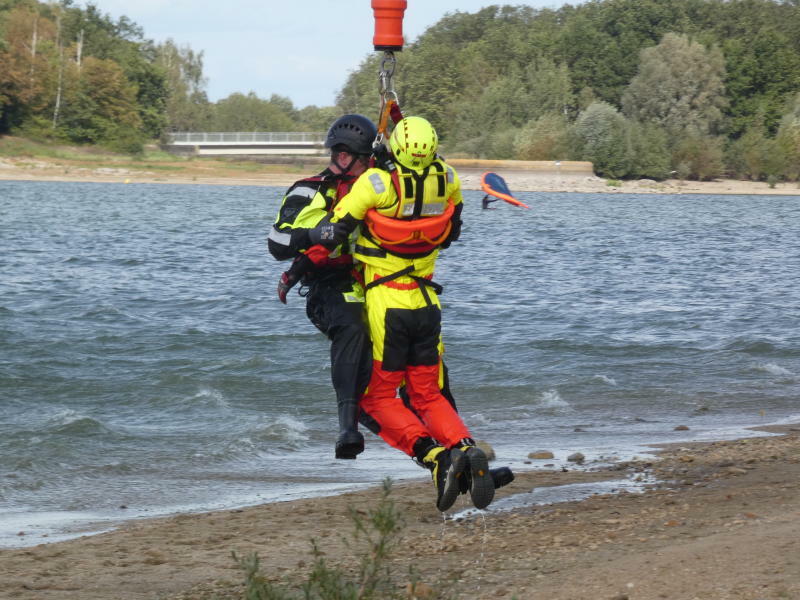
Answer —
481 488
350 447
457 471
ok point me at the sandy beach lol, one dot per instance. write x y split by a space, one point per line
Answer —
521 176
721 522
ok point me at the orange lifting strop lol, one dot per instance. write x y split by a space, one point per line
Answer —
388 231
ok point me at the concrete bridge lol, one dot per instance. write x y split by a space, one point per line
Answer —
246 143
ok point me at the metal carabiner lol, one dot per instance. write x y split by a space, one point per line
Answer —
387 93
388 63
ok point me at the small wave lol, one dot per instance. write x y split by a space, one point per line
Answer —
128 262
552 402
774 369
282 434
72 422
82 427
605 379
479 420
750 346
213 397
284 428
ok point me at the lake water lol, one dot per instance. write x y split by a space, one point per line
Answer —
147 368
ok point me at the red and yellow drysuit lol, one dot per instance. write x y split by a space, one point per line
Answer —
406 218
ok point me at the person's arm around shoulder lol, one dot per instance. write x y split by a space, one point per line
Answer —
373 189
302 209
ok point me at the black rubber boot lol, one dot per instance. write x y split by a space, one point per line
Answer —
350 442
501 476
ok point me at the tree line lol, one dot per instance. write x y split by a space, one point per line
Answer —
77 75
642 88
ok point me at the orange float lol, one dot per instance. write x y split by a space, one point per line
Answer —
388 24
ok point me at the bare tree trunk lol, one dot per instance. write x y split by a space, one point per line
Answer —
79 51
34 42
57 108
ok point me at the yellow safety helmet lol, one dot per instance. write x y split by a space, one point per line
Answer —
414 142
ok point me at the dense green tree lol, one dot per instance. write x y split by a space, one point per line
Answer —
550 88
92 33
545 138
699 157
600 135
650 155
764 71
101 107
678 87
27 65
315 118
187 106
240 112
48 62
787 142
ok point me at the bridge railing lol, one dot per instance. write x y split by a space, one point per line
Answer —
247 137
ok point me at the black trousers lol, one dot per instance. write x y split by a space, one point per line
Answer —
343 323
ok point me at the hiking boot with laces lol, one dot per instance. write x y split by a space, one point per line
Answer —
447 468
481 482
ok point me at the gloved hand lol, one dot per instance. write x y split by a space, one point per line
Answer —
329 235
300 266
286 283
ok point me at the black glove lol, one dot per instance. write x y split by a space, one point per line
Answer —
329 235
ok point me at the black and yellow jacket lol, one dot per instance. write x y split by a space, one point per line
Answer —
305 204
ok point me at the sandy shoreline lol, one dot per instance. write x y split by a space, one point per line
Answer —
520 177
723 523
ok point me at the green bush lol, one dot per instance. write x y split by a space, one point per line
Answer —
371 578
600 135
544 138
699 157
649 152
772 181
126 141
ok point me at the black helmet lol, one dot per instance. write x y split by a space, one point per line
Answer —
354 132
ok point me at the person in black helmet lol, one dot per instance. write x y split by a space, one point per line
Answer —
334 295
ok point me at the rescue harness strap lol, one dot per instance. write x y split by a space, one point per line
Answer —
419 282
418 178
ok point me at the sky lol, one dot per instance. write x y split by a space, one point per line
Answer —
300 49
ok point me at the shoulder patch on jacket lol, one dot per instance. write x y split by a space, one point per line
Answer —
377 183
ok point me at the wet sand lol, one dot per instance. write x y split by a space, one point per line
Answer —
722 523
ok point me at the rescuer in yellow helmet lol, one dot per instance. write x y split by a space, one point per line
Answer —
408 210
